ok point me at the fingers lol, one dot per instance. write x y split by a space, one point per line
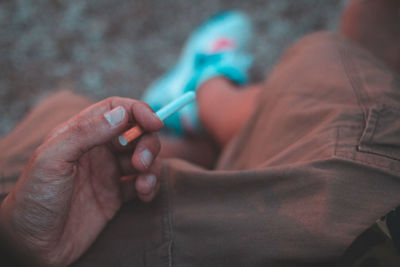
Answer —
141 160
145 152
110 103
98 124
145 186
146 115
146 118
84 134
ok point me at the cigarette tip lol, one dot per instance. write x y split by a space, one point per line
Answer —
122 140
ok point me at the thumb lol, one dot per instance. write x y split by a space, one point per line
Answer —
83 134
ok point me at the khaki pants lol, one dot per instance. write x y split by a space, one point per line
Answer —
317 164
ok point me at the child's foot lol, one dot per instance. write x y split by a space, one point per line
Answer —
219 47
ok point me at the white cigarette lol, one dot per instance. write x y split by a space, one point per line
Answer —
163 113
175 105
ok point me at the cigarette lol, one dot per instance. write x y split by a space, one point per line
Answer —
163 113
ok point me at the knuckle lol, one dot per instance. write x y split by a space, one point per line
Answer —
110 100
113 101
80 128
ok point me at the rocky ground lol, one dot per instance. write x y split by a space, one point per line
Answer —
101 48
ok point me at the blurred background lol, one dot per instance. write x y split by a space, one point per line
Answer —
101 48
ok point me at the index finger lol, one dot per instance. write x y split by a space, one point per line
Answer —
137 111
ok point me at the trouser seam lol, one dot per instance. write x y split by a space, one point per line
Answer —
170 218
354 78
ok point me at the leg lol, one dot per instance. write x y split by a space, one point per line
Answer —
223 109
374 24
199 150
292 190
305 180
304 192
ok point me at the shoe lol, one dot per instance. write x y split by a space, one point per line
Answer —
219 47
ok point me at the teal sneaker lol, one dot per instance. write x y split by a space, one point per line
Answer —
219 47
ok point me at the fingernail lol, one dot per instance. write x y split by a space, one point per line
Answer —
146 158
155 115
115 116
151 180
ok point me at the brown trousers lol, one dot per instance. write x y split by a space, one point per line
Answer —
316 165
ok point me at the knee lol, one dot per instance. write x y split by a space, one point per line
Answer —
374 24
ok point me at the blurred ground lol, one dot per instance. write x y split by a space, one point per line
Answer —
101 47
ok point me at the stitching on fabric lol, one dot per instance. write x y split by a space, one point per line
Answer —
352 77
164 205
361 97
357 77
376 151
346 155
368 145
171 232
341 152
336 141
368 130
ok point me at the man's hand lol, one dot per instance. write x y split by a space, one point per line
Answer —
78 178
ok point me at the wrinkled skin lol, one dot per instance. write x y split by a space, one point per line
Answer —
77 180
